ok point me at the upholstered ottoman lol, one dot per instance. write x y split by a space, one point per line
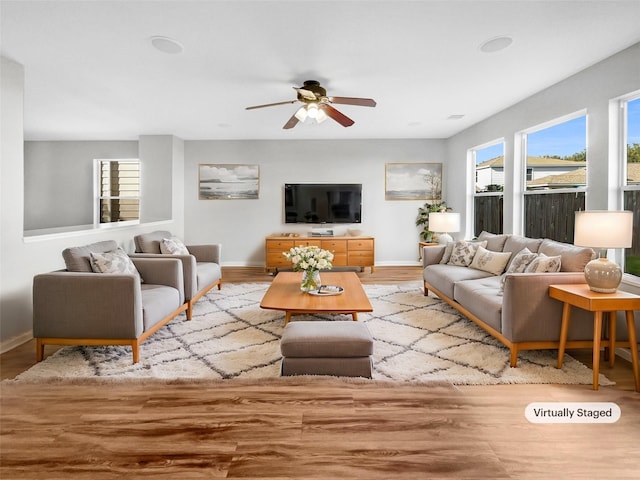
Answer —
340 348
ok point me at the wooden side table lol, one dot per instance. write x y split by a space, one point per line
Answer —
579 295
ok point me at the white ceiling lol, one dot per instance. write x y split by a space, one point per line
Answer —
91 72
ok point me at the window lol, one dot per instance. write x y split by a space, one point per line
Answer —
631 180
555 177
118 191
488 164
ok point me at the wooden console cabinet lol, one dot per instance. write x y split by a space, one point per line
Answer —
347 251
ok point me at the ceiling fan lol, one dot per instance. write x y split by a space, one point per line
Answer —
317 105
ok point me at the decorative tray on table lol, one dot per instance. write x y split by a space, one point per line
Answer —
326 290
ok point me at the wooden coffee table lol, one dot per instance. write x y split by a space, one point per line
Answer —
285 294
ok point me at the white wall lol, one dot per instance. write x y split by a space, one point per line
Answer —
241 225
591 89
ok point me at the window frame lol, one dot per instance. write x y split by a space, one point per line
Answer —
551 230
621 124
472 154
525 155
98 197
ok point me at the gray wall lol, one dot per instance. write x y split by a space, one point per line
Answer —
58 180
242 225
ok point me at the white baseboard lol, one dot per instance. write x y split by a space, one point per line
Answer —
15 342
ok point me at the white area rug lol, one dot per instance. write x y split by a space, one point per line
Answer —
416 339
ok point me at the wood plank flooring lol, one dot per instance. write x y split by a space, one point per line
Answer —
302 429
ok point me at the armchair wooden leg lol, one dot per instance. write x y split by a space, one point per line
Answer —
514 356
135 348
39 350
189 309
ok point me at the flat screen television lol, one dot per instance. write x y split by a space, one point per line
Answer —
323 202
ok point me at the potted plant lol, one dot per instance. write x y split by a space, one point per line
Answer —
422 220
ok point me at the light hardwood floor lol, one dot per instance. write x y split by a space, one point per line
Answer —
301 429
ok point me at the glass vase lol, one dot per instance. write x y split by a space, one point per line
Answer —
310 280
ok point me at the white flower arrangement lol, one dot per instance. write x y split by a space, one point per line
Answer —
309 258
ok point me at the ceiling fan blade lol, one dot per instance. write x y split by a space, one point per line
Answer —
336 115
293 121
308 94
271 104
363 102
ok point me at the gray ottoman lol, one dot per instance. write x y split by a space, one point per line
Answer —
340 348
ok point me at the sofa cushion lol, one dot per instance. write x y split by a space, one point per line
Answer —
495 242
326 339
78 259
515 243
482 298
544 264
173 246
150 242
490 261
116 261
521 261
443 277
464 251
574 259
207 273
158 302
446 256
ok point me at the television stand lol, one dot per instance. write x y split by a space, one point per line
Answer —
347 251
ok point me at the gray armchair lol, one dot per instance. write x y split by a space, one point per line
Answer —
79 307
201 266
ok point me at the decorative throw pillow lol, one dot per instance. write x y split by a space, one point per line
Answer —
116 261
488 261
447 253
173 246
544 264
521 261
464 251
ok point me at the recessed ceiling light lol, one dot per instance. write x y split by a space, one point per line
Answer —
166 44
496 44
458 116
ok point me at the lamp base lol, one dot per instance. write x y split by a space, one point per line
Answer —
603 275
445 238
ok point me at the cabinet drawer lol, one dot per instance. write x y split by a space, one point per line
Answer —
280 245
277 260
360 258
308 243
339 259
366 244
335 246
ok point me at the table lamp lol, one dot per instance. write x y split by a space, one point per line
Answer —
444 223
603 229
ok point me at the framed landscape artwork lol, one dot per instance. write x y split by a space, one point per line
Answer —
228 181
413 181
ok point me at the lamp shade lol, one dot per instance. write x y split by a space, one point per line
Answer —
444 222
603 229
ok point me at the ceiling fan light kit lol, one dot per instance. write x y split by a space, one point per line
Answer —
317 105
